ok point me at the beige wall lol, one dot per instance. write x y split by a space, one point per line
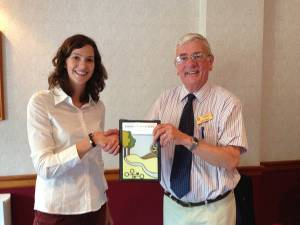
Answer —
281 81
136 39
256 47
235 30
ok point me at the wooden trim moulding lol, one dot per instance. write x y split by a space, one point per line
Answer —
21 181
281 165
251 170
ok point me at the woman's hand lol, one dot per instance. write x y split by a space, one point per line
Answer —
111 131
108 140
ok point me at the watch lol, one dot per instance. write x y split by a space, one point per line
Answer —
91 140
195 142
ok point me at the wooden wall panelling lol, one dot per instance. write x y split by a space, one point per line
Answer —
280 202
276 190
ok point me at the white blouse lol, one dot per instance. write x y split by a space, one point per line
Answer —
65 183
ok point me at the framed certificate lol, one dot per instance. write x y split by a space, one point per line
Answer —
139 156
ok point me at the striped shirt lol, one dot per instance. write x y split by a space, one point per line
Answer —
225 128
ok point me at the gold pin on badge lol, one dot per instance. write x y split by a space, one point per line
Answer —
204 118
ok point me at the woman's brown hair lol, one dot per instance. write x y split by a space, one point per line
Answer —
59 77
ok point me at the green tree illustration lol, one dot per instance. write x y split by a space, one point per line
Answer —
128 142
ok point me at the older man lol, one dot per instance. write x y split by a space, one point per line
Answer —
202 136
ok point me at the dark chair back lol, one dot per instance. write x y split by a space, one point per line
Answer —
244 201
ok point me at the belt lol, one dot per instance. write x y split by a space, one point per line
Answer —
192 204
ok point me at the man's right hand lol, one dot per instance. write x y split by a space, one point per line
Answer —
167 133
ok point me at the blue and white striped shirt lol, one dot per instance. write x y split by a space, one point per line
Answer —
226 128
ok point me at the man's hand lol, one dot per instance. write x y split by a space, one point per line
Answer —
111 131
108 140
167 134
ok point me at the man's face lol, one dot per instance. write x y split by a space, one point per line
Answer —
193 64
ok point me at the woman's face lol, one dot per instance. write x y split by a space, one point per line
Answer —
80 66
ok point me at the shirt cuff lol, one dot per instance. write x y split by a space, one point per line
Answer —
69 154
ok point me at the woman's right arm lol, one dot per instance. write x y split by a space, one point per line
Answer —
108 141
47 161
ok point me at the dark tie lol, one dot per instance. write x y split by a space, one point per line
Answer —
181 168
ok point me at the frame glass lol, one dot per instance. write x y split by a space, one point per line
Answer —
139 156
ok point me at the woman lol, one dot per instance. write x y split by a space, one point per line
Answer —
65 131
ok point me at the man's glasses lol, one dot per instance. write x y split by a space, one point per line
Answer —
197 56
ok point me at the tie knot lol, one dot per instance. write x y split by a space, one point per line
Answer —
191 97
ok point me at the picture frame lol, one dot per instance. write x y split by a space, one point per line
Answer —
139 156
2 110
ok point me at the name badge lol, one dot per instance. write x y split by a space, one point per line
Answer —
204 118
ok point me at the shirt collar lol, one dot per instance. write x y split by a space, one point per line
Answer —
200 94
61 96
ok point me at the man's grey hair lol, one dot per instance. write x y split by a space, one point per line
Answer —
194 36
